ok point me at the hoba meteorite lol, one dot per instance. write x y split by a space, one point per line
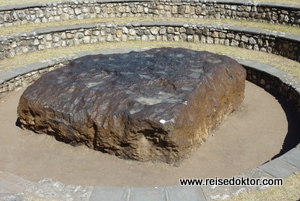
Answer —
155 105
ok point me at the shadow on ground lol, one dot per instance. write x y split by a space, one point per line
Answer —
292 138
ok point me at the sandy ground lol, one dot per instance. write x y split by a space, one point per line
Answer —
251 136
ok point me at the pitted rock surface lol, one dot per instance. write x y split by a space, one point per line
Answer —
156 105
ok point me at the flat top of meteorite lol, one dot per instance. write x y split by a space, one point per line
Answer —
151 83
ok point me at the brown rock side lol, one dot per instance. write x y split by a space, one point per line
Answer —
156 105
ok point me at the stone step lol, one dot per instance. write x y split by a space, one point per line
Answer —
10 183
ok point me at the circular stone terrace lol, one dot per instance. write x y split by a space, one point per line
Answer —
268 77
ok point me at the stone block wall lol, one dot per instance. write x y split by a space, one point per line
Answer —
275 81
234 9
287 90
25 75
60 11
286 45
24 79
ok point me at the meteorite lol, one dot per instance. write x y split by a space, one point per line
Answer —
154 105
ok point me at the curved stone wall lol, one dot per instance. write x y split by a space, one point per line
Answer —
287 45
220 9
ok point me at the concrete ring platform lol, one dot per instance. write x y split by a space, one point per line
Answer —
268 77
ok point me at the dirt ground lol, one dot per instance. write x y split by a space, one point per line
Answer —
252 135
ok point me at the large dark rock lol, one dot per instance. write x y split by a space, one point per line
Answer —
156 105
